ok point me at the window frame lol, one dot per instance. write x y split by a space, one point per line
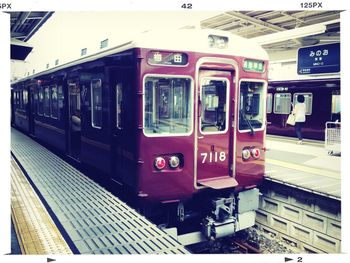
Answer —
191 105
118 120
264 93
51 103
227 106
40 101
92 104
269 95
274 102
44 101
295 95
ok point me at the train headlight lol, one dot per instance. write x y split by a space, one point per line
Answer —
245 154
215 41
255 153
159 163
174 162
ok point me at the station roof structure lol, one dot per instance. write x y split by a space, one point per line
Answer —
23 27
323 27
270 28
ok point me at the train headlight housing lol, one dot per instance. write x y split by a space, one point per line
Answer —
174 162
245 154
159 163
215 41
255 152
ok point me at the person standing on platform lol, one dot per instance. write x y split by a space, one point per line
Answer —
299 111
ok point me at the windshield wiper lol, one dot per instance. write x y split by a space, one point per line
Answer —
248 122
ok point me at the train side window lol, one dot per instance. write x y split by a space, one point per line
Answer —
54 102
25 99
41 101
16 97
336 104
308 101
269 103
47 101
96 103
119 105
282 103
20 99
167 106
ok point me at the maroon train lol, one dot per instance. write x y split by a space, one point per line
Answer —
322 98
178 118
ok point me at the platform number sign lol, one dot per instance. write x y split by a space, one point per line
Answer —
321 59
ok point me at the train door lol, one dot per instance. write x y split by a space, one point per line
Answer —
214 136
74 121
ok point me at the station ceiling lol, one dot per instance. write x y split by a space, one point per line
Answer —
23 27
251 24
248 24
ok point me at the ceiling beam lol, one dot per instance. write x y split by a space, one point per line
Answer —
256 21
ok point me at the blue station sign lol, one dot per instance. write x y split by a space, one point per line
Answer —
319 59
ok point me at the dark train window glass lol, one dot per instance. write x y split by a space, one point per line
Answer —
21 99
25 98
269 103
335 104
119 103
35 101
167 106
308 101
60 97
251 105
46 101
54 102
16 97
41 101
96 103
282 103
213 101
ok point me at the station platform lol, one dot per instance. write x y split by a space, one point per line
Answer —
90 219
307 166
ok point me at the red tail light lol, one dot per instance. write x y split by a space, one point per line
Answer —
255 153
159 163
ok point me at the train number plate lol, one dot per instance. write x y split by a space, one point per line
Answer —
213 157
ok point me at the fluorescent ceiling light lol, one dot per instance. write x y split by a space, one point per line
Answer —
291 34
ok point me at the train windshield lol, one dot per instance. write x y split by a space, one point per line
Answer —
251 105
167 106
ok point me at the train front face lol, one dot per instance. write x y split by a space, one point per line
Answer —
203 129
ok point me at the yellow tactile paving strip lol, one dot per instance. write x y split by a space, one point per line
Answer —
37 234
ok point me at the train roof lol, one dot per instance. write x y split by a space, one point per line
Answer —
187 40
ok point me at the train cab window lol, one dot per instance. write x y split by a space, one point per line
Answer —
308 101
119 101
96 103
251 105
214 99
167 106
54 102
269 103
282 103
46 101
41 101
